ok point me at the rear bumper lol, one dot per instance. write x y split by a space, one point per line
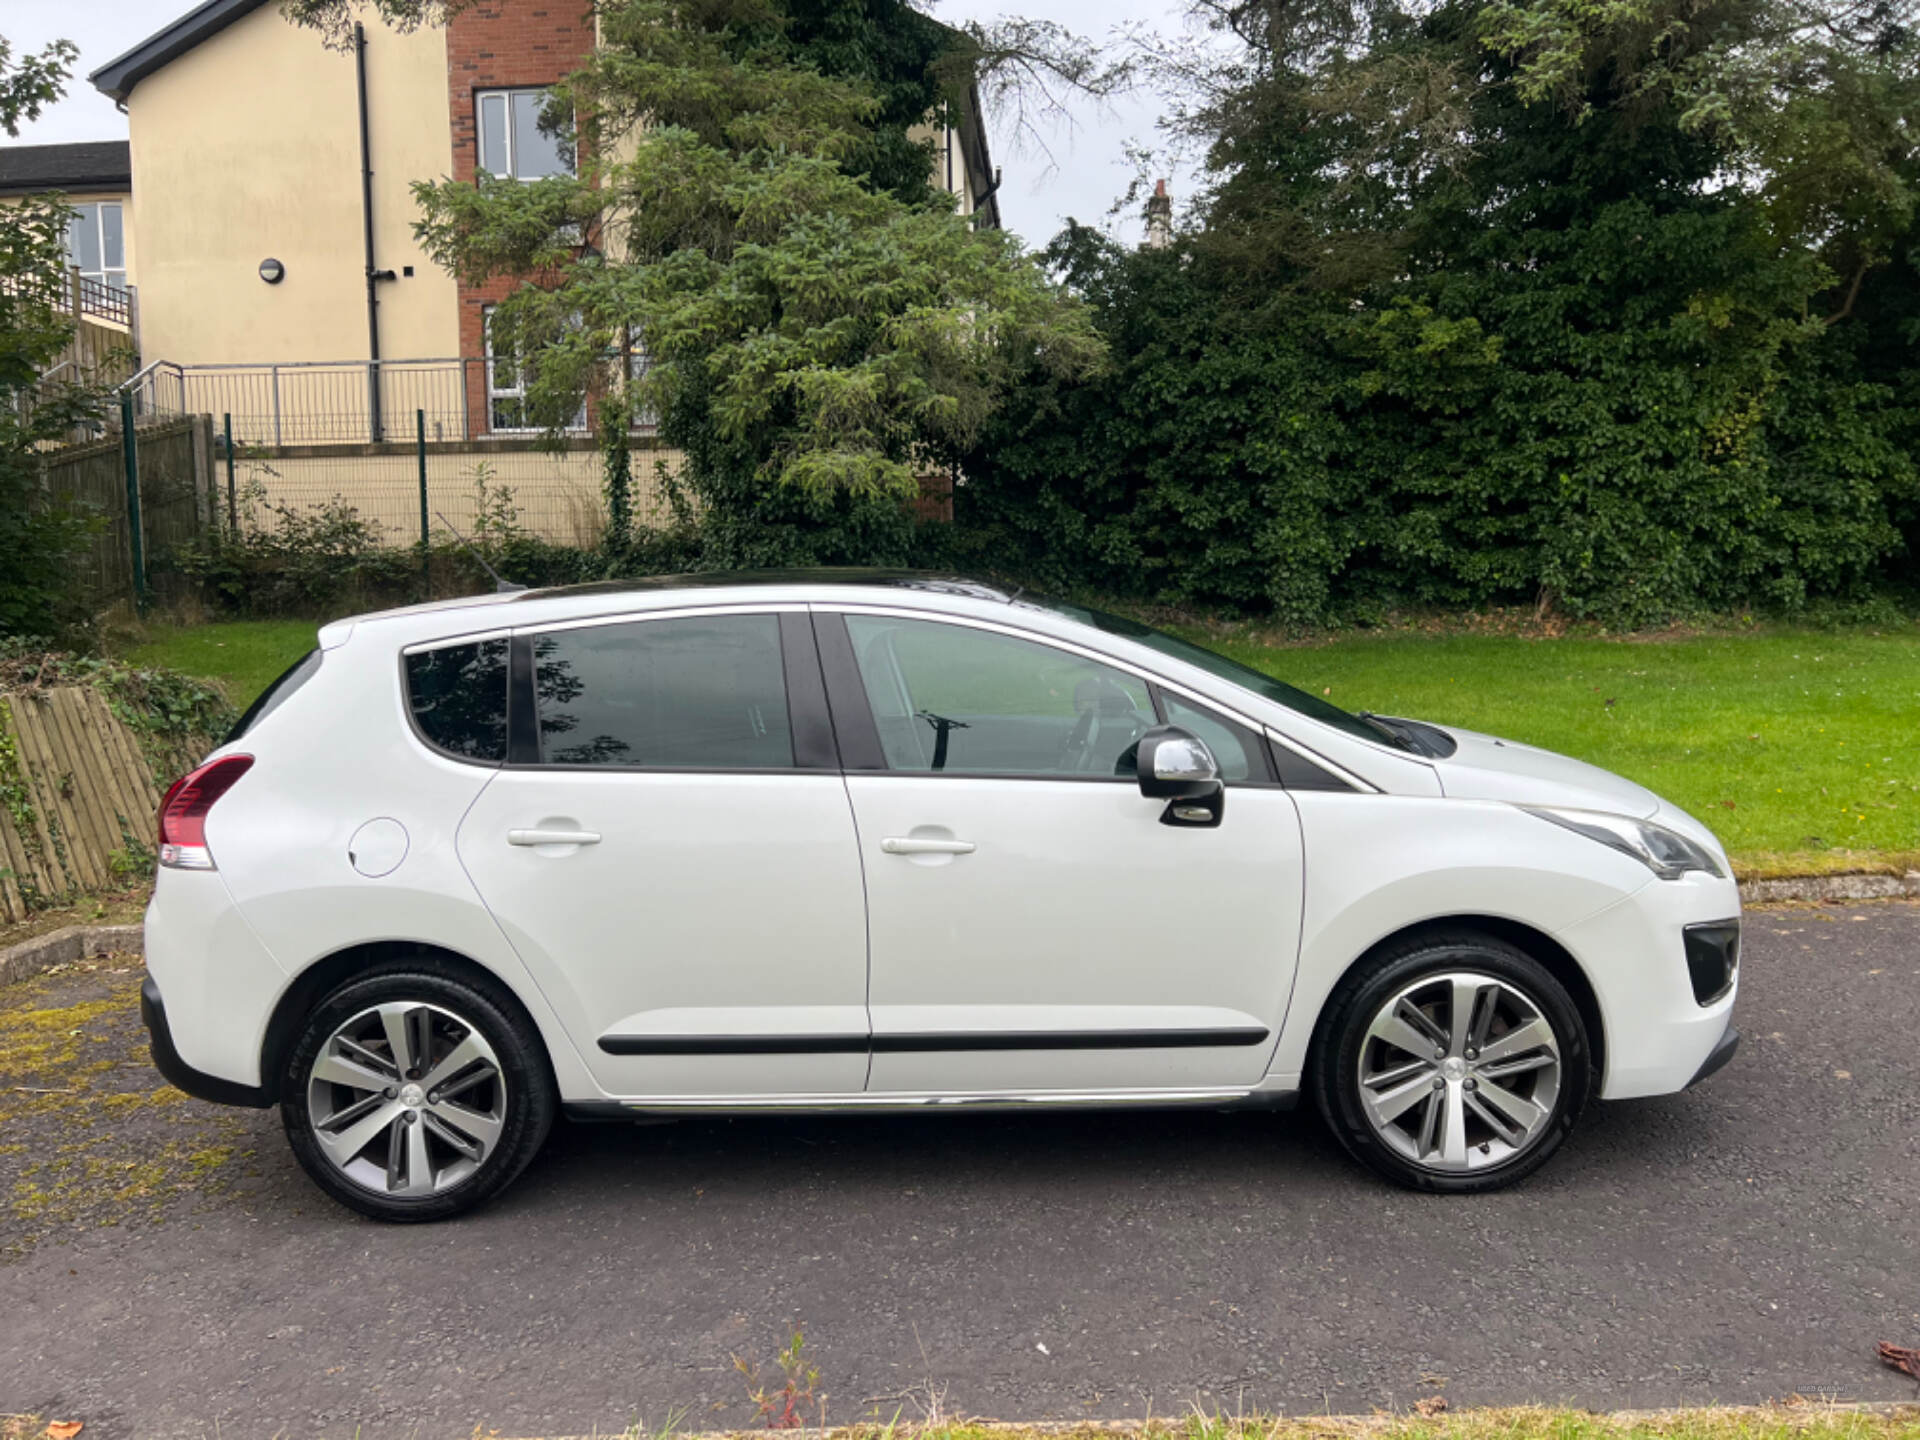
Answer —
1717 1057
197 1083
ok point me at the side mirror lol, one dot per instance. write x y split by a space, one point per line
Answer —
1176 766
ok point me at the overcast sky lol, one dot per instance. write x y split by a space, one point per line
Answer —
1089 169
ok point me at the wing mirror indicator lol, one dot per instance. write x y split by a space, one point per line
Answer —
1176 766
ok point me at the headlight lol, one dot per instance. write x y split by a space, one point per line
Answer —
1668 854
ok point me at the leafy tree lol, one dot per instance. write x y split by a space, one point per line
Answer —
1464 320
820 327
37 540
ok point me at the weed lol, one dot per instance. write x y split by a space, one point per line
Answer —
779 1406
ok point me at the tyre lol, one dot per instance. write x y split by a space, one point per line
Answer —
416 1092
1454 1062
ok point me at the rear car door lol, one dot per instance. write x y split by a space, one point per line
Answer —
1033 927
671 852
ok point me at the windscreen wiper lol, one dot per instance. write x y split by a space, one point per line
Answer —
1386 727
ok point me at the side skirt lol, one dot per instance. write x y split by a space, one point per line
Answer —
694 1105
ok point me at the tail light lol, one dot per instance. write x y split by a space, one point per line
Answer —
183 814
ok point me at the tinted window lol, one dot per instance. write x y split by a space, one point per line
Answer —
1233 747
277 694
705 694
459 698
951 698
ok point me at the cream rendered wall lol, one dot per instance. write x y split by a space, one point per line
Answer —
248 146
948 160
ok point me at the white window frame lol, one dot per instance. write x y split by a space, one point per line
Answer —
506 95
92 212
639 362
517 392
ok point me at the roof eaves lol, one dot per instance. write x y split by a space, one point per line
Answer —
117 77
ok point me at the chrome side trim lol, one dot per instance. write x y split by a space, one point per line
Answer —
869 1104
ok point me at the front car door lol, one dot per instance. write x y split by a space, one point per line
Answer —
1033 927
671 852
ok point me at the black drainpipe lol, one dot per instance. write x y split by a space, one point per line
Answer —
366 214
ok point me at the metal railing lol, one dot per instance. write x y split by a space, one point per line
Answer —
80 296
346 402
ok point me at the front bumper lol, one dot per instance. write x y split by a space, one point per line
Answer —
1717 1057
1660 1036
166 1059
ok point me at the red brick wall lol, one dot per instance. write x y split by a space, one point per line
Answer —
490 45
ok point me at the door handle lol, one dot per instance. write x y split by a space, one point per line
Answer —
909 845
553 837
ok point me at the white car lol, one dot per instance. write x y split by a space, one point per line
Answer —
852 841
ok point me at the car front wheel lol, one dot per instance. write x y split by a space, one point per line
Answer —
415 1094
1453 1063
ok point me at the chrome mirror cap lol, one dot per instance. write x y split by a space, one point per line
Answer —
1175 765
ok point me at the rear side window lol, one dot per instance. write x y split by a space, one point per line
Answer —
704 693
278 693
458 695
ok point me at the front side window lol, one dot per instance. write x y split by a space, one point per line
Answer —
96 243
514 144
704 693
458 695
949 698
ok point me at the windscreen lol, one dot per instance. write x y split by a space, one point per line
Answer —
1245 676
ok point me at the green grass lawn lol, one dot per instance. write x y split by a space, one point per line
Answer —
1802 744
1780 741
244 656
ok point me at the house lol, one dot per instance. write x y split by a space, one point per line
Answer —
275 225
96 178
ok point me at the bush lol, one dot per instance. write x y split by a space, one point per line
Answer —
1628 418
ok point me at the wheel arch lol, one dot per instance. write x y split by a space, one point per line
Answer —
1558 961
331 971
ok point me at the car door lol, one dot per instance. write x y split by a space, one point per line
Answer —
1033 927
671 851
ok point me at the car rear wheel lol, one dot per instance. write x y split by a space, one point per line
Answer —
413 1093
1454 1063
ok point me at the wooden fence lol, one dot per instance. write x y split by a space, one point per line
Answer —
175 465
80 797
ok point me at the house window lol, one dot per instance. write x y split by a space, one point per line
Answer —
96 243
513 145
639 362
507 376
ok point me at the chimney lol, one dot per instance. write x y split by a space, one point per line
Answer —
1159 217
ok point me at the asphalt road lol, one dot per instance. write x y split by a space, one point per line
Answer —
1750 1239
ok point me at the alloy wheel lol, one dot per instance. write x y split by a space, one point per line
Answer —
407 1099
1459 1071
